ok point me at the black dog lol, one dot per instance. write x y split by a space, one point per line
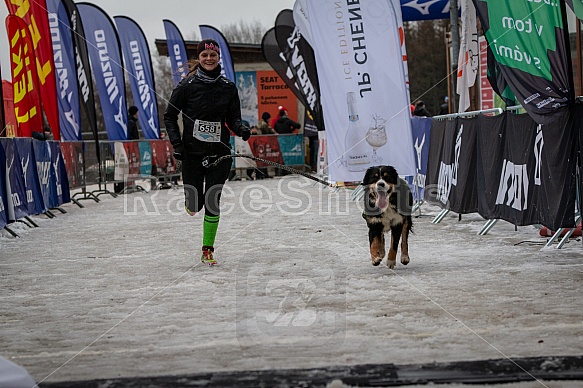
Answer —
388 206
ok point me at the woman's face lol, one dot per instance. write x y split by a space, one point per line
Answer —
209 59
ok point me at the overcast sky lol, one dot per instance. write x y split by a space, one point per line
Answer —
186 14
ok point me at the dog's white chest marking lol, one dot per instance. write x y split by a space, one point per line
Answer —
390 218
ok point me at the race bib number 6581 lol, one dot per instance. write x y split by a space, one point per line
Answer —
207 131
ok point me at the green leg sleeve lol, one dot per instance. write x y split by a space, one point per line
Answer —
210 226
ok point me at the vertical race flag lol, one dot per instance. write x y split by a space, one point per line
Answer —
105 57
64 59
227 68
139 67
529 40
34 14
302 20
83 67
577 7
362 81
27 108
176 51
276 59
300 59
467 65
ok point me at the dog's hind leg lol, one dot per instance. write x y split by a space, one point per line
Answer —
395 237
377 243
405 241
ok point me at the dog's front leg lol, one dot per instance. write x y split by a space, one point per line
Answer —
376 240
395 237
405 242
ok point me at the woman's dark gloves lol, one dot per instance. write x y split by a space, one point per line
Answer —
245 133
178 151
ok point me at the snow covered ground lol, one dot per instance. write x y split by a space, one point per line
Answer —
116 289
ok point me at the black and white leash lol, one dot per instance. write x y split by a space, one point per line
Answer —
207 163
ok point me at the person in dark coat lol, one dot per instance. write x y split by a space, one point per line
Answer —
210 106
421 110
285 125
133 133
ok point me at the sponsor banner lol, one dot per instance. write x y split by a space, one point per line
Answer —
105 57
25 82
73 158
301 61
425 9
162 160
310 128
176 51
141 75
302 21
83 70
46 173
242 147
529 41
397 7
15 185
467 69
34 196
526 170
145 158
577 7
265 147
452 165
121 162
366 106
34 14
63 194
277 61
322 154
227 67
264 91
421 127
132 151
3 195
292 149
64 60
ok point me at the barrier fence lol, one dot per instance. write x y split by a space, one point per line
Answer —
38 176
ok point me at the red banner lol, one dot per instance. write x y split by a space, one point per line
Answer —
34 14
9 117
133 153
162 159
26 91
73 157
266 147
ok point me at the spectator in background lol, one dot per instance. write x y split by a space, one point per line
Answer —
274 119
285 125
421 110
444 108
263 127
133 133
45 135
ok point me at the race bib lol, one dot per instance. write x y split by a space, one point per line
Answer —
207 131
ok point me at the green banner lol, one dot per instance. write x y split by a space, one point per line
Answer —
530 47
